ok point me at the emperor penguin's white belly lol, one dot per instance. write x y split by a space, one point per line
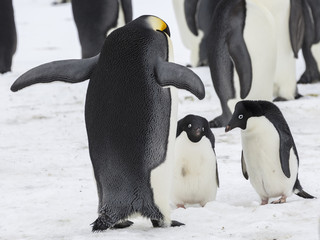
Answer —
194 178
189 40
260 143
315 49
285 80
161 177
260 38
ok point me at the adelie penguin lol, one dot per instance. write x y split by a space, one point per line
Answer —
269 156
8 36
130 113
195 179
95 19
248 46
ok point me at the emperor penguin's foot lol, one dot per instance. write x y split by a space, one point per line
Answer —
159 223
104 222
181 206
280 99
264 201
281 200
123 224
220 121
309 77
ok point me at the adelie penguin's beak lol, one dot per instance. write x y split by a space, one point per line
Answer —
228 128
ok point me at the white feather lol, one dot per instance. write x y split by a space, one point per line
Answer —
194 179
260 143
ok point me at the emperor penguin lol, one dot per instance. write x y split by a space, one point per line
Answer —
269 156
195 178
96 19
311 45
193 18
8 36
243 55
130 113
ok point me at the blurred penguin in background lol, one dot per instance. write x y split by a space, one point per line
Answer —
311 45
8 36
96 19
193 18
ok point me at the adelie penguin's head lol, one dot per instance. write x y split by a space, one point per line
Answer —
195 126
242 112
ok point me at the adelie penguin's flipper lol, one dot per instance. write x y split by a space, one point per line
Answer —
296 25
244 167
171 74
71 71
190 10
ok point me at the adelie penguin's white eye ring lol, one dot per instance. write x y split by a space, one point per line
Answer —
240 116
203 129
189 126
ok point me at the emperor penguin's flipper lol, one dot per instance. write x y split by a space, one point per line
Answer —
241 59
244 167
71 71
127 10
296 25
171 74
190 9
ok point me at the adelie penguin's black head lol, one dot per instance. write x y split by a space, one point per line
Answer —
195 126
243 111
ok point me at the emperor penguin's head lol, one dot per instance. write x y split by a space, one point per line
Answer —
195 126
242 112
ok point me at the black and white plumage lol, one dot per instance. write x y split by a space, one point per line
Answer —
130 112
195 179
8 36
269 156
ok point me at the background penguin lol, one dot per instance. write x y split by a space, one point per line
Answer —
193 18
269 156
130 118
243 37
96 19
195 178
8 36
311 13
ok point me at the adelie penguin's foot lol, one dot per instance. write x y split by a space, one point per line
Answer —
181 206
159 223
220 121
283 199
264 201
309 77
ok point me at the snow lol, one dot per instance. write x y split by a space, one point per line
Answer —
47 185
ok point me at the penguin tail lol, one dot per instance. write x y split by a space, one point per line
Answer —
297 189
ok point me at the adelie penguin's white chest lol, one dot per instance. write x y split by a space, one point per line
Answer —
194 179
261 146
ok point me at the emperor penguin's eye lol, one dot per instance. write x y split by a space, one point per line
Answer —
203 129
189 126
240 116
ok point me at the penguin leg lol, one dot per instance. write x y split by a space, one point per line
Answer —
264 201
160 223
181 205
283 199
311 73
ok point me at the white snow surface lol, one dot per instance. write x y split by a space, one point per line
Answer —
47 185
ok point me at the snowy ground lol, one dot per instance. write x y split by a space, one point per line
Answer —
47 185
